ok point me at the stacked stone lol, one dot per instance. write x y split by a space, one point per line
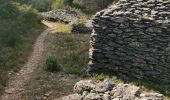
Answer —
60 15
107 90
84 28
132 39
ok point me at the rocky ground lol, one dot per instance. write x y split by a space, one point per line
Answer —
107 90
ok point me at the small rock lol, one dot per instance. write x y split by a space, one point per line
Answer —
104 86
106 97
85 93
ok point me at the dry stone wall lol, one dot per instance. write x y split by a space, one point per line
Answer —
132 38
60 15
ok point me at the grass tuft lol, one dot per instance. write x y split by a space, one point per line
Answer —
52 64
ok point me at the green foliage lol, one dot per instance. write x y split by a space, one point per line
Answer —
3 60
70 42
40 5
86 6
52 64
8 10
75 70
16 21
91 6
19 25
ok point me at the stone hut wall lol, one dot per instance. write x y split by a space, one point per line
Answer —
132 39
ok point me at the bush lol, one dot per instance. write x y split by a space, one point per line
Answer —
3 60
19 27
40 5
16 21
85 6
8 10
91 6
52 64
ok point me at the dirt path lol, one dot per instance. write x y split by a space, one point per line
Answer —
16 84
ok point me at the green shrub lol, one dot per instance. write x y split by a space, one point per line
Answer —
8 10
91 6
16 22
52 64
40 5
19 27
85 6
3 60
69 41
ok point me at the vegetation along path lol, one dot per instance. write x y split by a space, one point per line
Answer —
16 84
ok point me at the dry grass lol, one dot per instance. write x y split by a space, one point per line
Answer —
58 27
70 49
72 53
